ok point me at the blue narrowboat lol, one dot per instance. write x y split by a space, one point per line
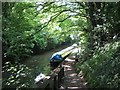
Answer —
58 57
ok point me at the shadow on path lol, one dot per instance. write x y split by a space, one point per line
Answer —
72 80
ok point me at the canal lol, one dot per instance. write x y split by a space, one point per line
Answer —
23 74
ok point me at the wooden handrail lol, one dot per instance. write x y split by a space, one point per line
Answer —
53 80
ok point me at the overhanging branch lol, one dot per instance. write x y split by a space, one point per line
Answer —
51 19
78 14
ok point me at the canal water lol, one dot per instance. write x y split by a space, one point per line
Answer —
40 64
22 75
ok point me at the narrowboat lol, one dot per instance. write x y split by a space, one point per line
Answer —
58 57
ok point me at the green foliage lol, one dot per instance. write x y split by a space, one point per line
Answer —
99 56
14 75
35 27
30 28
23 20
102 70
17 30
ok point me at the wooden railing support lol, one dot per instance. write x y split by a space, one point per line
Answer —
60 77
55 80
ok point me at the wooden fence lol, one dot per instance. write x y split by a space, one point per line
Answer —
52 81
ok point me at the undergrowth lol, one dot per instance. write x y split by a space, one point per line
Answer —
102 70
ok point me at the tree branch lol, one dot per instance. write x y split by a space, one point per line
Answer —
71 16
65 18
51 19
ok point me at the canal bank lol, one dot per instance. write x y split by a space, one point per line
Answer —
22 75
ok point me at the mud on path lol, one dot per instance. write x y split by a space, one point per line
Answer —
72 80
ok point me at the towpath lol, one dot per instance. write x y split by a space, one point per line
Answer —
72 80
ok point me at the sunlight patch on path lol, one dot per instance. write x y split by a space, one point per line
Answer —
69 60
72 80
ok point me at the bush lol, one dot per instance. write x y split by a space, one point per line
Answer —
102 70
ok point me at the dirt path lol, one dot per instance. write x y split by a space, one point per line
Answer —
72 80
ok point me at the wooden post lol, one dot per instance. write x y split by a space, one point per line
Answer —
62 72
60 76
55 83
47 87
